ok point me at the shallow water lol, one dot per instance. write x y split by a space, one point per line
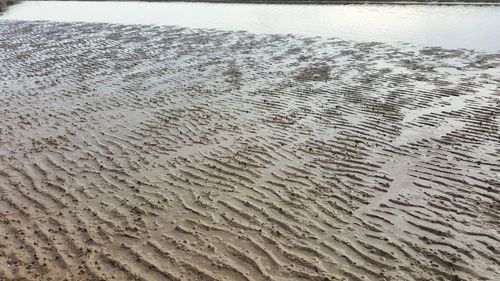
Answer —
458 26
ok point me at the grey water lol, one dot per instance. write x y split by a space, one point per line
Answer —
449 26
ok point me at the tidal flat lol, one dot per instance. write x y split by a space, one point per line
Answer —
142 152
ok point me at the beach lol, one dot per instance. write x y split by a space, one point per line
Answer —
134 152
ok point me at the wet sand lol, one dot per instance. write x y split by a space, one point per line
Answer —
3 5
159 153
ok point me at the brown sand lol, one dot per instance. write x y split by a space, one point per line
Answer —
155 153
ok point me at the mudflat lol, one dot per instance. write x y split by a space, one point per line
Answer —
161 153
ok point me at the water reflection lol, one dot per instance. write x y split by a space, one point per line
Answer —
461 26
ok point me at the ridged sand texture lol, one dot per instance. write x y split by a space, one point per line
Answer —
158 153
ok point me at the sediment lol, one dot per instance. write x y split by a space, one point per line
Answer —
162 153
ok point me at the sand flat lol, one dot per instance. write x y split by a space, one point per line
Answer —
160 153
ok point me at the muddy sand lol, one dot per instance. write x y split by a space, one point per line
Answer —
159 153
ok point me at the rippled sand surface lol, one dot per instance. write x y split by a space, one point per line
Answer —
155 153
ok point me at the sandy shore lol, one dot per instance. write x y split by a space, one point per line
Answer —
156 153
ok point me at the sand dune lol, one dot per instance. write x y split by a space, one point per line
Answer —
156 153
